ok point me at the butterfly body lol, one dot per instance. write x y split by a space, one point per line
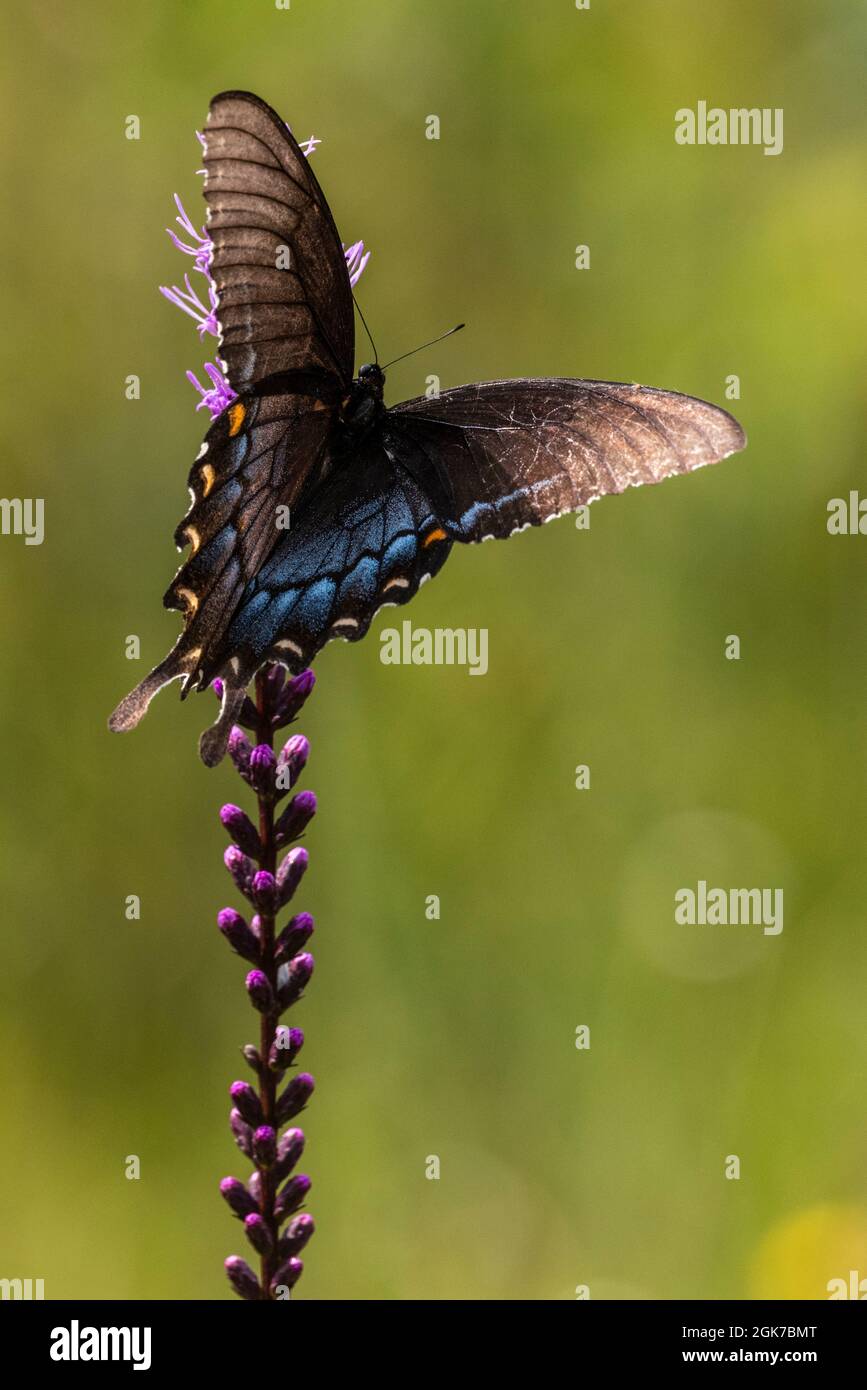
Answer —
313 505
365 404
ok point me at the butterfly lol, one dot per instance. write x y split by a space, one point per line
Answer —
376 496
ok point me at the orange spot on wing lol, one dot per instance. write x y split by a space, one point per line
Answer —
208 476
236 417
436 535
190 600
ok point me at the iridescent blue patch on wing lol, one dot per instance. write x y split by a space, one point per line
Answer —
362 510
298 556
399 516
471 517
359 586
246 619
371 534
237 449
399 555
313 609
281 606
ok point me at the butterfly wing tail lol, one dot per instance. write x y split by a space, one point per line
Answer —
179 663
176 666
133 706
213 742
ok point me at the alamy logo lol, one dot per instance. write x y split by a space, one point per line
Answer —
444 646
721 907
847 517
23 516
856 1287
76 1343
741 125
22 1288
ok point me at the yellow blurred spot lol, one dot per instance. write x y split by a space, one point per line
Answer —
813 1254
208 476
236 417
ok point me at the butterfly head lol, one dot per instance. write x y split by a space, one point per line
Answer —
372 377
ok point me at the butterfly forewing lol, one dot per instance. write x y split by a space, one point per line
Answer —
285 301
510 454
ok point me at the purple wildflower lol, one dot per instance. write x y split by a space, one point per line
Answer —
190 302
198 244
219 396
202 244
260 1110
356 260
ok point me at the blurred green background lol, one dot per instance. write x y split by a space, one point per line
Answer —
455 1037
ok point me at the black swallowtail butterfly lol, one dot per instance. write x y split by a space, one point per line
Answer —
377 495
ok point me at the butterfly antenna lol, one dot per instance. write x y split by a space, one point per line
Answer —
457 328
366 329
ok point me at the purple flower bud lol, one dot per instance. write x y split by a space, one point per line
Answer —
292 697
296 1235
293 978
290 1147
291 872
242 830
294 1097
263 761
243 1133
296 816
293 1194
290 762
241 869
285 1048
274 1157
260 992
264 891
239 1198
275 679
242 1278
286 1278
296 933
238 934
258 1233
264 1146
246 1102
240 748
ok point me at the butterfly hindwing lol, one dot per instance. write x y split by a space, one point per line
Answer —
259 459
285 300
511 454
368 537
